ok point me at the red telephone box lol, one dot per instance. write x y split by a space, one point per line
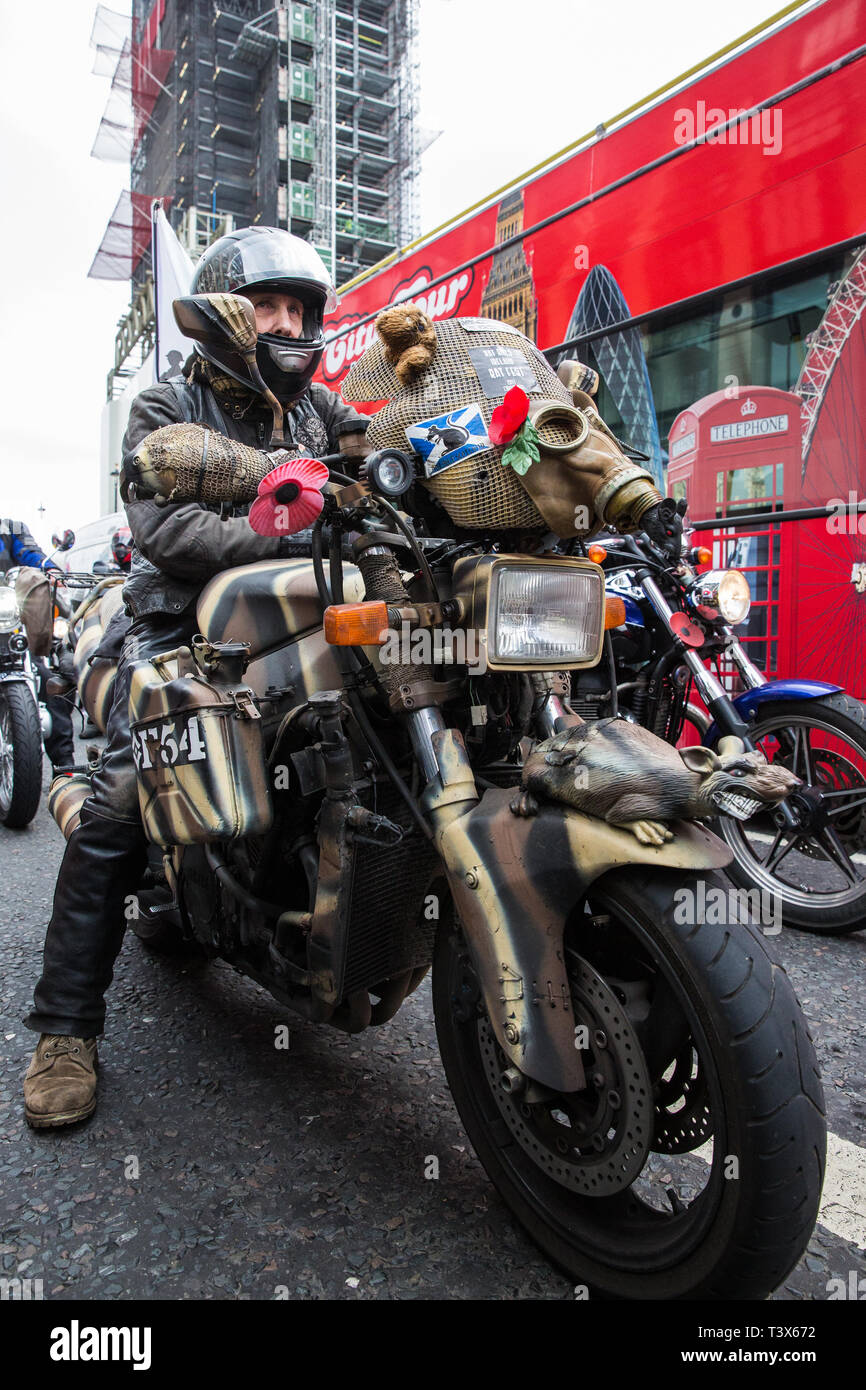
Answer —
735 454
731 455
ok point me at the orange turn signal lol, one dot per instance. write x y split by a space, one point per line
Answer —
596 552
614 611
704 556
356 624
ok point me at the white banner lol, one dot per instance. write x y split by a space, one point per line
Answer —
172 275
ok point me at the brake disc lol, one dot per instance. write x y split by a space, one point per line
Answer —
596 1141
678 1131
834 773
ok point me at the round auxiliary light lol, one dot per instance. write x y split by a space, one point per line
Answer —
722 594
390 472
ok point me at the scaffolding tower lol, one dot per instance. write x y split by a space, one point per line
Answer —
292 114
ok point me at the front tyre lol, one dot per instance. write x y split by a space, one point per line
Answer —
816 873
20 755
691 1167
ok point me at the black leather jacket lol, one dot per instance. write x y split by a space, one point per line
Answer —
179 546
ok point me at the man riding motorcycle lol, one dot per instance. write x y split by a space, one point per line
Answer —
178 547
18 547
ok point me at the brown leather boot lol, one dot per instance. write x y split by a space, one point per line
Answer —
60 1085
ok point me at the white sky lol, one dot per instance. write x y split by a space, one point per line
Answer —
508 82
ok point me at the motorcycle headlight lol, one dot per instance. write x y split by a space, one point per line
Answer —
538 614
722 594
9 611
61 628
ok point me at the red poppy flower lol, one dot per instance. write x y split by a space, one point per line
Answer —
289 497
509 416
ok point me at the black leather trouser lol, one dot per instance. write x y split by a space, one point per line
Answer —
104 862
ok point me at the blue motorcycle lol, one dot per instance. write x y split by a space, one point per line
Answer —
810 853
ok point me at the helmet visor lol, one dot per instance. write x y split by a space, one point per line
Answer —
271 259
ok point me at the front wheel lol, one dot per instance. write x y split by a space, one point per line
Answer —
20 755
691 1166
815 874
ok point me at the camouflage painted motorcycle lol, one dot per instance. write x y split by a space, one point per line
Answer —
366 765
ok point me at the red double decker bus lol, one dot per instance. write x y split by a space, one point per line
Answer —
704 241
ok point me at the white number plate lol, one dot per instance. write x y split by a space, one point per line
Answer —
160 744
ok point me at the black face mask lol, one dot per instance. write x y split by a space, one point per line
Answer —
287 364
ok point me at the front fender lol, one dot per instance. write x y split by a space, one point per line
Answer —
749 701
514 882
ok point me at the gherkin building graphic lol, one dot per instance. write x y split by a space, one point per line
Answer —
621 362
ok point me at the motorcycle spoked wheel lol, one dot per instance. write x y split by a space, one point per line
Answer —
20 755
827 750
698 1226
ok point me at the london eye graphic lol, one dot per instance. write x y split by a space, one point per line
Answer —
621 361
831 560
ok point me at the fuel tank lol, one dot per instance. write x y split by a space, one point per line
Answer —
274 605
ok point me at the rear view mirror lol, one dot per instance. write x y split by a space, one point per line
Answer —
227 321
64 542
223 320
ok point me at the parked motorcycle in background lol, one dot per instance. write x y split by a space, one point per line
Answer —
810 851
88 639
20 721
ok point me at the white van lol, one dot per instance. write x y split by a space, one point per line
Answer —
92 543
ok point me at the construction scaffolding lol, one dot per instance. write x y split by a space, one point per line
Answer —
375 130
292 114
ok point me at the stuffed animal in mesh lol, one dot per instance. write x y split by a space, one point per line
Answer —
443 382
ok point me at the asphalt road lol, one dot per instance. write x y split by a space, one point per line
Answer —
218 1166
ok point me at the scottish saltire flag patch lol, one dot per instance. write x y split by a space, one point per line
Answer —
447 439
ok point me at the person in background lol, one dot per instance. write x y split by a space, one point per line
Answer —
121 554
18 547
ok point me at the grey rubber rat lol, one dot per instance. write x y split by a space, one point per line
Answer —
628 777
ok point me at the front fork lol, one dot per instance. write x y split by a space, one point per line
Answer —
752 677
518 960
450 788
711 690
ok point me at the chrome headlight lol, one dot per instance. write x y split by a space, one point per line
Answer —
61 628
722 594
537 614
10 613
